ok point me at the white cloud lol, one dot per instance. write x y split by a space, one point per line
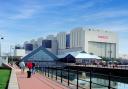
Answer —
117 25
114 13
55 3
87 5
23 14
26 11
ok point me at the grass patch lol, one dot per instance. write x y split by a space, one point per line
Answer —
4 78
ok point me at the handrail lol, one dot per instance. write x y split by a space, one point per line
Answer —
57 74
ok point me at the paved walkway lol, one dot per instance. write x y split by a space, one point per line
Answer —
37 81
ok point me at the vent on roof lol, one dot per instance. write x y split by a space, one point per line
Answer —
89 29
83 52
91 53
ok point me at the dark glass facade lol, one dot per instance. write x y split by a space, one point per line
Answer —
47 43
17 47
28 47
68 41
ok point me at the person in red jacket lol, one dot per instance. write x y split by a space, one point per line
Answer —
29 65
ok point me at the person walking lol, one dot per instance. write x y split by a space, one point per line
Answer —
29 65
33 68
22 66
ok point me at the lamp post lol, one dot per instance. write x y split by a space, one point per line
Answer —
1 38
11 54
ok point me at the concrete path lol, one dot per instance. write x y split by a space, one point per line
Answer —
13 84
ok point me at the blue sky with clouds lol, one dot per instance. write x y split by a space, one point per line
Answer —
22 20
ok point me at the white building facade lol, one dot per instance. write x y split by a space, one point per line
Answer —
77 38
98 42
19 52
101 43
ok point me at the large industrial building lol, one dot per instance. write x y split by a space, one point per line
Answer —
99 42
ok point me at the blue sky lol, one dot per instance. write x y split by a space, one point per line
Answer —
22 20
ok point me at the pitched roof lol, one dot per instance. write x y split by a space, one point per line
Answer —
40 54
79 54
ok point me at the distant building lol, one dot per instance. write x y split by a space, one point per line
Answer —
39 41
123 56
34 43
51 37
18 51
61 40
99 42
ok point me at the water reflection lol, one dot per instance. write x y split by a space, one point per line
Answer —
99 82
96 83
122 86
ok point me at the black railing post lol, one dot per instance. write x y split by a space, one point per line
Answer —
56 73
45 71
48 71
68 76
77 79
51 73
90 79
109 81
61 76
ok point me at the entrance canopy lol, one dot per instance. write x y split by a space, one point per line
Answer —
79 55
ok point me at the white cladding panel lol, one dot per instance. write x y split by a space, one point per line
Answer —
77 38
101 36
19 52
102 49
61 39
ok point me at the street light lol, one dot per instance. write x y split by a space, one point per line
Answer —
1 38
11 53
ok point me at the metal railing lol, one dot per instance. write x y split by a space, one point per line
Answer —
109 66
90 81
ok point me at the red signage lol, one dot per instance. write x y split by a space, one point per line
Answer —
103 37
